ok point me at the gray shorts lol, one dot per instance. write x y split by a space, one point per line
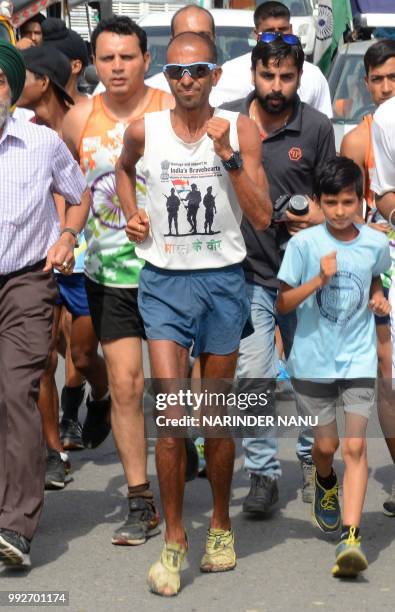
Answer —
316 399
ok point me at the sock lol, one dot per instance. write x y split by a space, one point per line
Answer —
106 396
328 482
141 490
70 401
346 531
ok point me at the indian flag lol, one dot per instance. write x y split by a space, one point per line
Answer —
333 18
181 185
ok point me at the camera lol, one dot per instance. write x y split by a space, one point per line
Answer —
295 204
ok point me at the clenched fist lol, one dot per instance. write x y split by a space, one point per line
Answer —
137 228
218 130
380 306
328 267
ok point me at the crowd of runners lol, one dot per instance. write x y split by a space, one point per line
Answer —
145 213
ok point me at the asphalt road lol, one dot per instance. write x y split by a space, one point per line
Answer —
283 562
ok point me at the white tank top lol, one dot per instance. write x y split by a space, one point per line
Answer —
194 213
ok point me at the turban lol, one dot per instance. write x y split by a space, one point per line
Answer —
69 42
13 66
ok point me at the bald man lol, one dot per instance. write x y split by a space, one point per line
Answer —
211 148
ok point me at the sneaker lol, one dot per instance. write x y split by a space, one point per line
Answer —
262 496
199 443
70 434
308 471
326 507
164 576
14 549
97 424
192 468
389 504
220 553
141 523
58 466
350 558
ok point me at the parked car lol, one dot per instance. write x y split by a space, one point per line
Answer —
350 97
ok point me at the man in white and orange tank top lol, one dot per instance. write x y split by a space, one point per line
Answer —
192 289
358 145
94 132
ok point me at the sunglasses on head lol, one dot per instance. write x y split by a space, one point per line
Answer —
269 37
197 70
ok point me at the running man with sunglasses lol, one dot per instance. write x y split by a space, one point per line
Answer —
192 289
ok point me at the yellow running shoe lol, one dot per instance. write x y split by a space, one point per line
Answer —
164 575
220 554
350 558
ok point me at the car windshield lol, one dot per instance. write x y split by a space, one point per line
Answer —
298 8
351 100
231 42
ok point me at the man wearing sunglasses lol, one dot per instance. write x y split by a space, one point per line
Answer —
192 288
236 83
296 141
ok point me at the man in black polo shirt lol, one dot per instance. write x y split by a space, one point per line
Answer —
296 140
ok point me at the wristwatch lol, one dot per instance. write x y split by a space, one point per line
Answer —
234 162
71 231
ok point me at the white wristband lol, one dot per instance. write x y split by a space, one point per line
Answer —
390 219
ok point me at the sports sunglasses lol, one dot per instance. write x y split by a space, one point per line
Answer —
197 70
269 37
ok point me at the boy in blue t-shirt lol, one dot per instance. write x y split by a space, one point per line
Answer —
331 275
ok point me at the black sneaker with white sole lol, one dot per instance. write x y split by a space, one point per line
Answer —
262 496
56 471
14 549
71 434
141 523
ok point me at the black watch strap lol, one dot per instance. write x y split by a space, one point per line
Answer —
234 162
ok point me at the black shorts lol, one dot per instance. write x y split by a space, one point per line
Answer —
114 311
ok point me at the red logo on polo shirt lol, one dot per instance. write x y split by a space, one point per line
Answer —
295 154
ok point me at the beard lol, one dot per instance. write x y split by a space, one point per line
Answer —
4 111
274 103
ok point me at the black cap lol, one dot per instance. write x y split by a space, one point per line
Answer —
69 42
51 63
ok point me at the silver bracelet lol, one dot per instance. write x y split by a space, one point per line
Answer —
390 219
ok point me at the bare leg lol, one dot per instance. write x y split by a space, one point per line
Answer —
219 452
123 359
86 359
386 396
170 360
356 469
73 378
326 442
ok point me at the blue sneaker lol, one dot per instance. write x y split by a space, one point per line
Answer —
326 508
350 558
